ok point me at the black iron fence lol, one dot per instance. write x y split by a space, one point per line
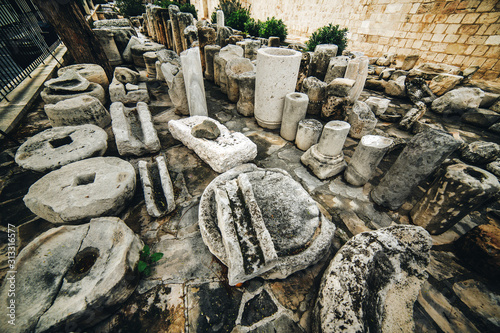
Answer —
26 40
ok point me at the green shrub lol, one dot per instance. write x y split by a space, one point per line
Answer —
130 7
252 27
273 27
237 19
329 34
235 15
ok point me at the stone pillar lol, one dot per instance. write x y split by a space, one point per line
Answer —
149 17
225 55
167 27
294 111
223 33
173 10
360 79
336 68
251 47
308 132
106 38
193 79
184 21
421 156
368 154
161 35
316 92
206 36
321 59
303 70
150 60
210 52
234 68
246 84
459 191
277 71
220 19
326 159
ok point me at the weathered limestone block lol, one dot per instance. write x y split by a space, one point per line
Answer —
173 10
127 53
125 75
336 68
273 41
294 111
190 35
315 90
377 105
246 85
335 108
481 117
373 281
489 99
234 68
320 60
362 120
442 83
150 59
260 222
308 132
429 70
50 96
69 82
409 61
92 72
480 152
184 20
206 36
157 17
59 146
157 187
360 77
367 156
206 130
118 92
210 52
223 153
396 88
303 70
326 159
107 41
133 129
91 269
82 190
340 87
251 47
412 116
138 51
386 74
121 36
80 110
234 39
458 101
277 71
460 190
223 34
174 77
386 60
124 22
193 80
225 54
421 156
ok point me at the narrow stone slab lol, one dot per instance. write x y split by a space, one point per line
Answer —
157 186
133 129
83 190
59 146
223 153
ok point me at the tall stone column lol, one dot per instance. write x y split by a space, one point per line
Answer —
106 38
460 190
193 79
245 105
294 111
326 159
234 68
421 156
277 71
184 21
206 36
367 156
210 52
220 19
360 78
321 59
173 10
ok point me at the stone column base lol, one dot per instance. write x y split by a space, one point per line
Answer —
321 165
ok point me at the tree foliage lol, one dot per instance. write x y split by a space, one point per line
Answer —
130 7
273 27
328 34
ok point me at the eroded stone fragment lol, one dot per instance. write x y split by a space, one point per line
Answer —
92 72
373 281
58 146
246 85
125 75
234 68
210 51
308 132
69 81
378 105
50 96
362 120
83 190
157 187
481 152
458 101
320 60
225 55
138 51
336 68
315 90
80 110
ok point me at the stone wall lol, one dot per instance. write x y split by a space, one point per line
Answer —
462 33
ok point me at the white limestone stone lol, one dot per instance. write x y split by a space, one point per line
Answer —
360 78
277 71
294 111
92 72
336 68
126 75
362 120
223 153
50 96
246 86
308 132
176 87
127 53
133 129
80 110
210 51
193 80
378 105
59 146
221 60
220 18
234 68
119 93
157 187
367 155
83 190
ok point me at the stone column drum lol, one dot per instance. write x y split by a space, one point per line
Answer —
193 79
326 159
210 52
366 157
321 59
421 156
308 132
234 68
246 84
294 111
460 190
277 71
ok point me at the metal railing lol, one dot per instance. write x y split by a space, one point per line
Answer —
26 40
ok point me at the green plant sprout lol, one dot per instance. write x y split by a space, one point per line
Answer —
147 259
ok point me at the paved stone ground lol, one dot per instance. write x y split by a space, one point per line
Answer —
188 289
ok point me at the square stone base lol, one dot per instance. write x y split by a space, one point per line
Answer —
321 165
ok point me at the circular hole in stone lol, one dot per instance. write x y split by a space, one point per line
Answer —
84 260
474 173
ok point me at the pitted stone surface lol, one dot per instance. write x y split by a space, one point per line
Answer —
82 190
268 225
68 272
458 101
59 146
50 96
92 72
80 110
373 281
70 81
223 153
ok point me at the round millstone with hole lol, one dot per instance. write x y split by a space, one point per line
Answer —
59 146
82 190
73 276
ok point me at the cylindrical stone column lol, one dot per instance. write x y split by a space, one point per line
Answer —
150 59
333 137
460 190
246 83
193 80
220 18
316 91
138 51
206 36
368 154
321 59
308 132
421 156
210 52
277 71
294 111
360 80
234 68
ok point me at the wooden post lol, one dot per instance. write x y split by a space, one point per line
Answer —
69 23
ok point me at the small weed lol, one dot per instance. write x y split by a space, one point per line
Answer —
146 260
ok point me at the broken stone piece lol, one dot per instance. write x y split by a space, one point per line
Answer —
396 88
412 116
442 83
91 269
80 110
127 53
109 46
59 146
409 62
261 222
221 60
320 60
138 51
458 101
389 265
294 111
360 77
210 51
481 152
157 187
246 86
82 190
118 92
206 130
481 117
223 153
362 120
125 75
50 96
193 80
336 68
339 87
386 60
417 90
315 90
234 68
308 132
429 70
92 72
378 105
70 81
459 191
